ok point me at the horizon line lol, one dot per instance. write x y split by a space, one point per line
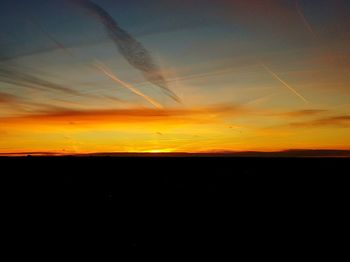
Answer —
246 153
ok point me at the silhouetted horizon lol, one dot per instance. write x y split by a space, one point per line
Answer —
282 153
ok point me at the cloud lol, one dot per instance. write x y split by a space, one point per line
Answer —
21 105
7 98
338 121
139 115
15 76
307 112
290 114
132 50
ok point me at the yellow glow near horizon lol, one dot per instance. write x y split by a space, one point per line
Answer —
165 133
164 150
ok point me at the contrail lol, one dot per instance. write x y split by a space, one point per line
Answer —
284 83
132 50
303 18
107 72
48 35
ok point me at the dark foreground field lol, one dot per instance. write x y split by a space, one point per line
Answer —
162 202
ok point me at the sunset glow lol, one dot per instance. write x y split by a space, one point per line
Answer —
174 76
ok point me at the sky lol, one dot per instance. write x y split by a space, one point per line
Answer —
81 76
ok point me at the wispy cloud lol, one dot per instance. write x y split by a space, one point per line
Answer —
22 105
131 49
6 98
203 115
337 121
306 112
15 76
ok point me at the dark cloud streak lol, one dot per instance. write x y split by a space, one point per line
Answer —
14 76
6 98
65 115
340 121
132 50
307 112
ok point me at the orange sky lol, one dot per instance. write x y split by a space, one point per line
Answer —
174 130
